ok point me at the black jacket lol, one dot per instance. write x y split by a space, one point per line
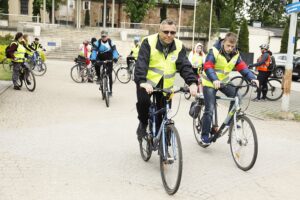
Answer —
183 65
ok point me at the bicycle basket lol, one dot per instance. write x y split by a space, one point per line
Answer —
194 109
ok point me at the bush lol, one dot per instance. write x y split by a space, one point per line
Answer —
6 39
2 52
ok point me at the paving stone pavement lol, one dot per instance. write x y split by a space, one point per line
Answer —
61 142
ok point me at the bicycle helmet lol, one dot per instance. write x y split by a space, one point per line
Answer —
264 46
136 39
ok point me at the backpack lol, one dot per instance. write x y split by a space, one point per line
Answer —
272 65
7 50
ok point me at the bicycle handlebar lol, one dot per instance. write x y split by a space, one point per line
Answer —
168 91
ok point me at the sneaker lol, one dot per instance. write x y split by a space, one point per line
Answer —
17 87
141 131
205 139
263 99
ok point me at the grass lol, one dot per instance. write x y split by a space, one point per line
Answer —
294 116
5 75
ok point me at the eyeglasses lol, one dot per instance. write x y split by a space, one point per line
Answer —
169 32
104 36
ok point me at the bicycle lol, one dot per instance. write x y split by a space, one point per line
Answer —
7 64
38 67
166 140
27 77
275 89
237 131
80 73
125 74
104 81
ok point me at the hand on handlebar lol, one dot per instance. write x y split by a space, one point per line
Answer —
148 87
217 84
193 89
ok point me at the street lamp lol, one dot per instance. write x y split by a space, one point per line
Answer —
210 19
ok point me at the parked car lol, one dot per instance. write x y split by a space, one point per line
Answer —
280 59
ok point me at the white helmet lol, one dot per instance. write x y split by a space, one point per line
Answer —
264 46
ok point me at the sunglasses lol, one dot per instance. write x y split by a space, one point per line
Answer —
169 32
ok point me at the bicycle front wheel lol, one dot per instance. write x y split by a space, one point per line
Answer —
240 81
243 143
114 76
145 147
123 75
171 160
79 74
40 69
29 80
105 90
275 90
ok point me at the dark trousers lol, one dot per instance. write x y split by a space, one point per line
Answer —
263 83
143 104
209 101
16 72
109 72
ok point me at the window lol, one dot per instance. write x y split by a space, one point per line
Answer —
86 5
71 4
24 7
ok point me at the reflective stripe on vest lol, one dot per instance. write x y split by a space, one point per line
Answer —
159 66
222 68
20 53
264 67
135 51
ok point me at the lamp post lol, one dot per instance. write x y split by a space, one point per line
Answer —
44 13
53 11
194 22
210 19
180 6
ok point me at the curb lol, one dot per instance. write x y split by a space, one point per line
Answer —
4 87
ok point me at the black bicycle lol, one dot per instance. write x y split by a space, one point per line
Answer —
104 81
242 134
275 89
164 138
27 77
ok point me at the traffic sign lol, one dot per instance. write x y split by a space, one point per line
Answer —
292 8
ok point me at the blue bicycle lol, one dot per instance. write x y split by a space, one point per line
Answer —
165 139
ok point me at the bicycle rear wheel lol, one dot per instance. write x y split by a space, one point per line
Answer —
171 159
105 90
275 90
243 143
79 74
197 127
29 80
240 81
7 65
123 75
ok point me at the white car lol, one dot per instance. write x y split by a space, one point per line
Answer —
280 59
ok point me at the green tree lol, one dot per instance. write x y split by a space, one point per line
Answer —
87 18
202 19
285 38
137 10
234 27
38 4
243 42
270 13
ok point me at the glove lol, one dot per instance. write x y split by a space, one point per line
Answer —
250 66
115 60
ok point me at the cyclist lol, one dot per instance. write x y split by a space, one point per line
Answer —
38 48
262 65
106 51
85 51
222 58
160 57
17 52
27 46
134 51
197 58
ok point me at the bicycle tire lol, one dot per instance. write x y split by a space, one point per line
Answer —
123 75
275 90
197 127
114 75
30 87
39 70
19 82
78 74
187 95
172 143
105 90
7 65
243 142
240 81
145 147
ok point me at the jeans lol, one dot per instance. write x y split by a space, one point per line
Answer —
210 102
